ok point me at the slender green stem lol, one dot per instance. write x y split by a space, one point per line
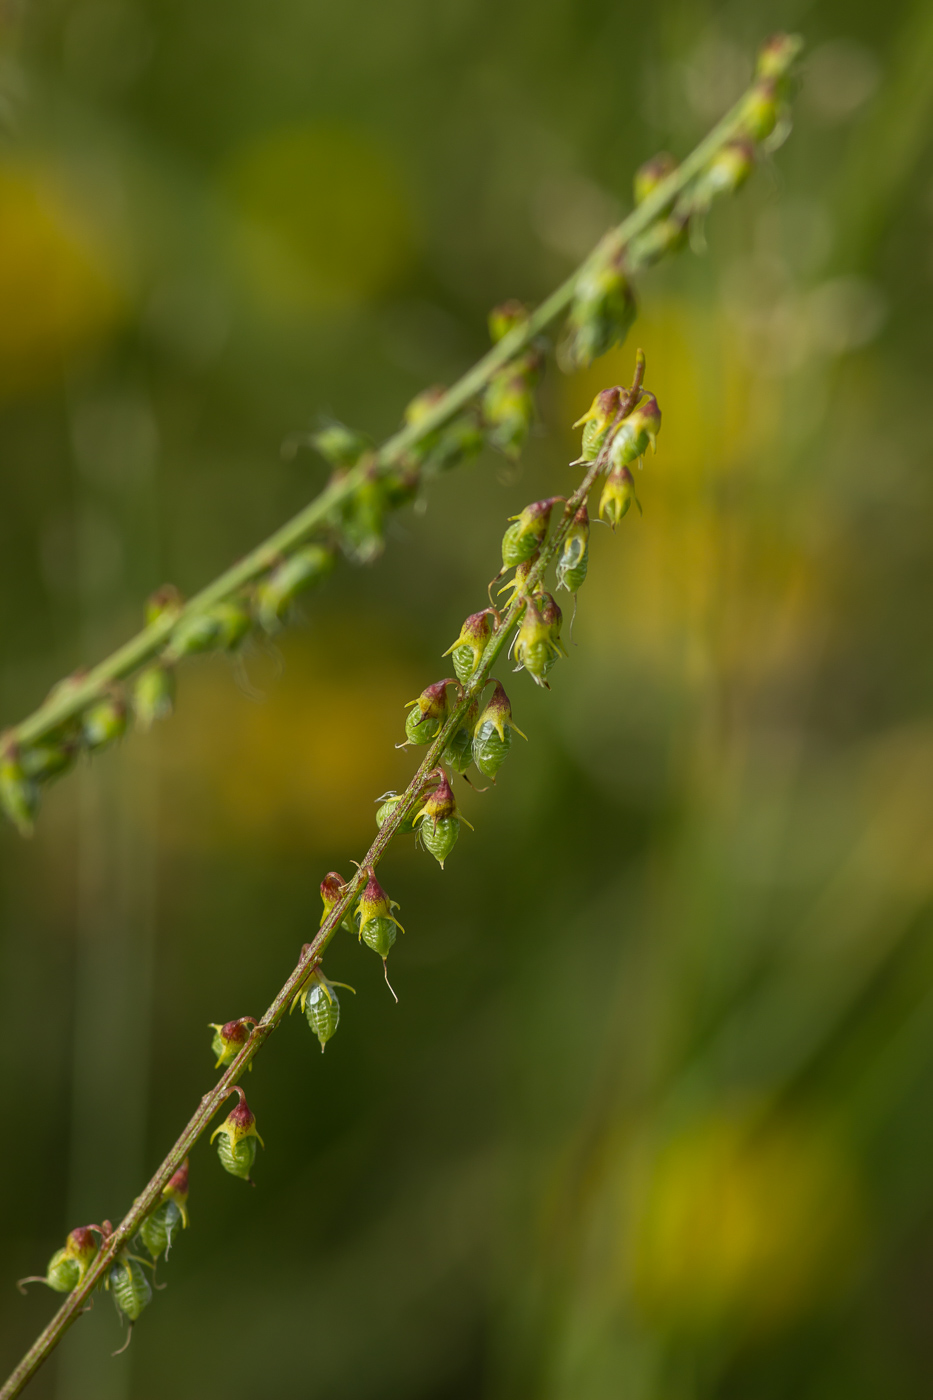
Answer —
65 703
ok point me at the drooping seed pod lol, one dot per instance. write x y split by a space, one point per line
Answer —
508 403
574 553
229 1039
535 650
439 818
238 1137
505 318
601 314
388 804
104 721
165 600
153 694
597 421
276 593
526 534
492 733
19 794
467 651
362 521
428 711
617 495
159 1227
333 888
129 1286
653 173
634 434
68 1265
339 445
377 924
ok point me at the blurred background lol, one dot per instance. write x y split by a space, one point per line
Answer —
652 1116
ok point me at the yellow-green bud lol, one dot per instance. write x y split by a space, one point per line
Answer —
279 589
505 318
238 1137
333 888
68 1265
377 923
439 818
230 1038
525 535
492 733
165 600
427 713
777 54
467 650
597 421
652 174
104 721
617 495
602 311
535 649
387 806
339 445
19 794
634 434
153 694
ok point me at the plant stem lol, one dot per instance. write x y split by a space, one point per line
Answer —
63 705
75 1304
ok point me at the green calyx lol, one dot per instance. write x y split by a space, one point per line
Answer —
130 1288
159 1228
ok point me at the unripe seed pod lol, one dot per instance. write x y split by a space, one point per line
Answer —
130 1287
575 552
279 589
427 713
63 1272
634 434
467 651
377 923
603 309
505 318
339 445
68 1265
617 495
459 752
221 627
19 794
104 721
652 174
760 111
727 171
48 758
362 521
597 421
443 447
166 599
322 1011
508 404
158 1229
177 1190
776 55
153 694
492 733
439 819
535 650
388 806
664 236
229 1039
238 1137
333 887
420 729
525 536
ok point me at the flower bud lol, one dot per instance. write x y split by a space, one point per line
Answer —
220 627
727 171
508 404
492 733
177 1190
129 1286
467 650
440 821
634 433
597 421
68 1265
664 236
362 521
552 617
653 173
339 445
230 1038
377 923
761 109
238 1137
618 494
602 311
166 599
526 534
19 794
535 650
453 442
427 713
333 888
574 552
776 55
48 758
104 721
153 694
505 318
385 810
279 589
516 584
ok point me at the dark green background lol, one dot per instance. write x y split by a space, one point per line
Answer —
652 1116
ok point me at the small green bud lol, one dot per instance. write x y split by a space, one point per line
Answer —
505 318
385 810
761 109
362 521
526 534
220 627
467 650
377 923
653 173
427 713
508 404
634 434
618 494
165 600
229 1039
297 572
19 794
492 733
574 552
597 421
439 818
322 1011
67 1266
238 1137
104 721
153 694
453 442
727 172
664 236
339 445
602 312
535 648
777 54
130 1288
48 758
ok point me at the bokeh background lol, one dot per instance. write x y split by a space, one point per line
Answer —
652 1118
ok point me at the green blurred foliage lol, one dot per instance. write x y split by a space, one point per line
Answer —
651 1118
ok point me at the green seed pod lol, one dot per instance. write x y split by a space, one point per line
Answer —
439 819
653 173
221 627
63 1272
153 695
238 1137
575 553
158 1229
525 536
104 721
617 495
535 649
229 1039
467 651
388 806
597 421
444 447
322 1010
603 309
634 434
362 521
233 623
296 573
67 1266
418 728
761 108
177 1190
727 172
492 733
19 794
459 752
508 404
130 1287
505 318
166 599
333 887
377 923
427 713
339 445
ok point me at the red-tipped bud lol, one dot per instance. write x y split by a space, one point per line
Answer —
377 923
652 174
617 495
468 649
177 1190
167 599
230 1038
238 1138
505 318
525 535
636 433
597 421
